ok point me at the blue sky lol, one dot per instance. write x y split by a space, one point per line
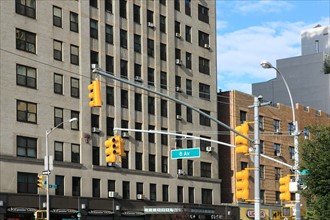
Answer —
249 31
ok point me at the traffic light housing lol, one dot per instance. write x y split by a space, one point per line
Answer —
242 184
95 94
115 147
40 181
121 148
242 144
285 193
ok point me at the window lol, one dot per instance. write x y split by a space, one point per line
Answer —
75 153
163 51
122 8
96 188
277 197
165 193
177 27
26 111
189 141
261 146
188 7
153 192
26 8
163 80
291 128
75 88
178 109
178 81
163 108
74 22
75 186
96 155
58 84
57 16
177 54
190 166
204 91
205 169
137 43
244 165
188 87
242 116
138 102
95 120
139 188
306 133
151 136
58 151
150 49
189 115
126 191
162 23
206 196
262 196
164 164
177 5
204 143
108 5
203 38
178 141
151 77
108 34
123 38
136 13
109 64
276 126
163 2
261 123
137 70
26 183
204 65
151 105
25 41
277 149
150 16
203 120
262 172
188 60
59 181
26 76
94 57
188 33
138 161
163 137
124 98
57 50
152 162
124 162
26 147
180 193
191 195
203 14
74 54
291 152
112 185
277 173
138 135
123 69
93 3
179 163
75 124
110 95
58 117
110 125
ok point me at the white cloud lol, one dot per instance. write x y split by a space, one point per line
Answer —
265 6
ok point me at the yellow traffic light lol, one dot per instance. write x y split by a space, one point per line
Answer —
285 188
242 184
110 151
242 144
95 94
40 183
121 148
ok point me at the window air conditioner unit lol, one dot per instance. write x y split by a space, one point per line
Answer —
113 194
95 130
180 172
178 89
179 117
138 78
139 196
150 24
207 46
125 134
278 154
278 131
178 35
209 149
178 62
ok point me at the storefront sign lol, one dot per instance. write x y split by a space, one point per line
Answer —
162 210
21 210
100 212
63 211
251 214
132 213
204 211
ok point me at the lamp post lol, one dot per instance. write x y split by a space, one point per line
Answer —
48 165
268 65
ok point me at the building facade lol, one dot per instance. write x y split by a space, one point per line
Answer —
276 141
307 75
46 52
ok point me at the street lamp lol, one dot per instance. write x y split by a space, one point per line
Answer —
48 165
268 65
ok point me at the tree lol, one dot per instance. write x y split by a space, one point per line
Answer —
316 159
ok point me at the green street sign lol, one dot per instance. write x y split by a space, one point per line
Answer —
186 153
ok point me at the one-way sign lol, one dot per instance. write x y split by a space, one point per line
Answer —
46 172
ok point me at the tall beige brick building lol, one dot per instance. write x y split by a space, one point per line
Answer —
46 52
276 142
